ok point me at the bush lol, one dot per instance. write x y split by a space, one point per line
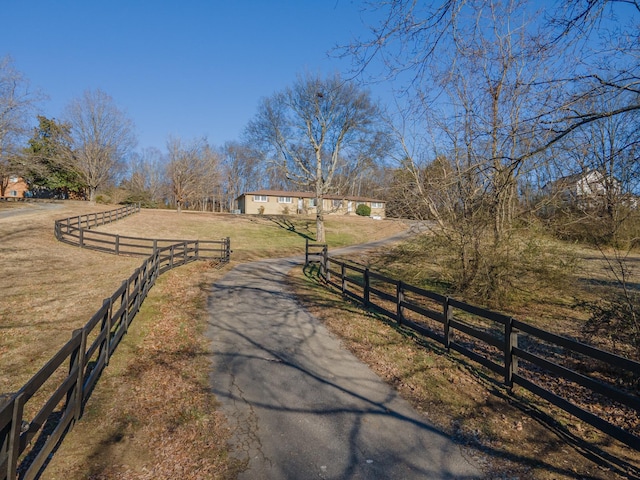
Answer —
363 210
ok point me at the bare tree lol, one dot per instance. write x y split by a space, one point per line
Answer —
101 137
242 169
314 130
147 176
192 172
16 103
595 44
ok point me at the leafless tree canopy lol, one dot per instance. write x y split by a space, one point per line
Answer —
316 131
192 172
16 104
102 136
492 94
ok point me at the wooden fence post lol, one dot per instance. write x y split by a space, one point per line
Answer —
124 300
325 262
117 244
81 237
14 436
366 287
137 288
343 278
74 400
447 316
197 245
184 252
306 252
107 324
399 300
510 361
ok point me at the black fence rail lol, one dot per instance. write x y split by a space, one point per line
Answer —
78 231
35 418
551 366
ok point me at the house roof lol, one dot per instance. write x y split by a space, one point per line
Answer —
284 193
573 179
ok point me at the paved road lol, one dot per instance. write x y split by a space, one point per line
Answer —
28 208
300 406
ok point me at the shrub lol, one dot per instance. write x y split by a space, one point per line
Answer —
261 210
363 210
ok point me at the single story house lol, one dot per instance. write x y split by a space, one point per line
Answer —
279 202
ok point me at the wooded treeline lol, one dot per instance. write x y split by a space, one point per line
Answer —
496 102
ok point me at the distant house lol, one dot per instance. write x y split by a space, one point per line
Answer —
16 188
278 202
582 187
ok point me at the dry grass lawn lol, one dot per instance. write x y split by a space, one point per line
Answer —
515 436
151 415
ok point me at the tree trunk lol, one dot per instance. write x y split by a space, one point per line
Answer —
319 226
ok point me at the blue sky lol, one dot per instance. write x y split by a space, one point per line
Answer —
188 68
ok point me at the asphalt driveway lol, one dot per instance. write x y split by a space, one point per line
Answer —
301 406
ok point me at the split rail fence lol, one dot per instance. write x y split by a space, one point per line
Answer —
550 366
54 397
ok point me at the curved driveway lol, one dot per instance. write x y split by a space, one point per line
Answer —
301 406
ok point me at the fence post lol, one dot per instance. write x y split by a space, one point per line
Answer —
325 262
306 252
106 323
171 250
227 253
399 300
81 237
447 316
117 244
343 278
366 287
184 252
137 287
74 399
124 300
197 249
13 452
510 361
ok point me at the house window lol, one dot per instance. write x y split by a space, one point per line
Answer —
377 204
313 202
336 203
13 193
259 198
285 200
13 179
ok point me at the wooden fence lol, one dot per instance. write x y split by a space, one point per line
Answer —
73 371
77 231
542 362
